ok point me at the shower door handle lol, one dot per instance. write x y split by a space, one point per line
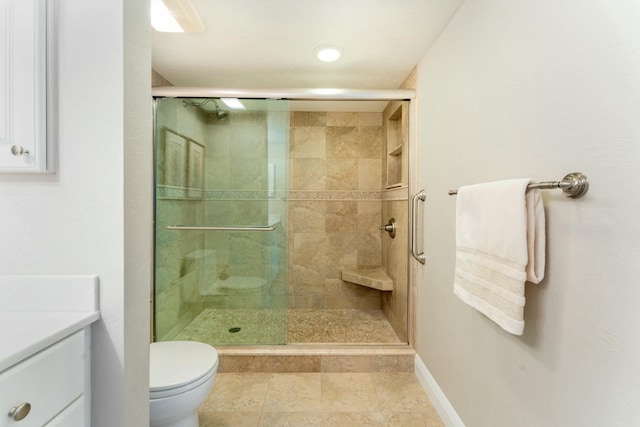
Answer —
220 228
421 195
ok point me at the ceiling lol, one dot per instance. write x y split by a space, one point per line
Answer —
269 43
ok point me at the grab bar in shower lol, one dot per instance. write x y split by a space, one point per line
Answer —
421 195
221 228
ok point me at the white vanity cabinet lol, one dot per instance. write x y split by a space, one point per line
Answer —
27 56
45 349
48 388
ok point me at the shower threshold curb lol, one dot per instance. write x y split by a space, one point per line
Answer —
314 349
316 358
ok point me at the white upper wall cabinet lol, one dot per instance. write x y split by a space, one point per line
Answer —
26 142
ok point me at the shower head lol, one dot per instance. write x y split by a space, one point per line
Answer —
220 114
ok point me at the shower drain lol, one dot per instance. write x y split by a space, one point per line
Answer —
235 329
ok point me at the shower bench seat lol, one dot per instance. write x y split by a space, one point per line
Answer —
375 278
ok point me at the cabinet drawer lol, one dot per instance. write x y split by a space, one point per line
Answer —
49 380
72 416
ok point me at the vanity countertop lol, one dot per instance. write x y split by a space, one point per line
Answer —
26 333
37 311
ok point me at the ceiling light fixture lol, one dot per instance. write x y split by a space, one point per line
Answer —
233 103
175 16
328 53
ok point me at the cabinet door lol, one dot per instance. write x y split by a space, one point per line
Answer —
23 86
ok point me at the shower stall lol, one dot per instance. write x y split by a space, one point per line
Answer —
269 217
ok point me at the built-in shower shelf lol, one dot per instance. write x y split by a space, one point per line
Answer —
375 278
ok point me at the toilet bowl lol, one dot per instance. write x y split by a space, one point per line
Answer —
181 375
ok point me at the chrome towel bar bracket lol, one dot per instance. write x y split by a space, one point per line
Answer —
574 185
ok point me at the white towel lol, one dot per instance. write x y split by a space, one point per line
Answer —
500 244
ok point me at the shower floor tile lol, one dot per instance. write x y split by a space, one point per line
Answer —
303 326
355 326
237 326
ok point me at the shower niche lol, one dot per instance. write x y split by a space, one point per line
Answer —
396 137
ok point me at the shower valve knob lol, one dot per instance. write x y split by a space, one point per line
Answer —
17 150
390 227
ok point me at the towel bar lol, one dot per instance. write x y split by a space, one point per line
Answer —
574 185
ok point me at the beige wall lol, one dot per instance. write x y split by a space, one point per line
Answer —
537 89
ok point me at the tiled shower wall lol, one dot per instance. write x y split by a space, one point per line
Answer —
238 151
395 305
394 251
235 194
335 207
236 183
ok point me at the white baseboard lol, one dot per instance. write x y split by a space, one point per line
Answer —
448 415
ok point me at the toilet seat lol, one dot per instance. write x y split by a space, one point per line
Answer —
178 366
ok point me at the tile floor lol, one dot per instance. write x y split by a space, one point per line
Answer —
318 399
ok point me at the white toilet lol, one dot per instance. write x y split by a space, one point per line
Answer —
181 375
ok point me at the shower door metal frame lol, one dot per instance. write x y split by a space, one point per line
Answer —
323 94
326 94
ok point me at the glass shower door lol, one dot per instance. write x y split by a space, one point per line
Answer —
221 226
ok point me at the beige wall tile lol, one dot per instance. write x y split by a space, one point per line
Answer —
369 217
353 150
369 250
370 142
369 174
342 142
342 119
309 174
342 174
309 142
369 119
311 249
341 216
309 118
307 216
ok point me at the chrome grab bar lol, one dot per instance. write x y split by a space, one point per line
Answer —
221 228
421 195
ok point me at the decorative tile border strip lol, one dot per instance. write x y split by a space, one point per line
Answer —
168 192
183 193
334 195
244 195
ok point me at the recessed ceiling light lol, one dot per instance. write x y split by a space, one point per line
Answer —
175 16
327 53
